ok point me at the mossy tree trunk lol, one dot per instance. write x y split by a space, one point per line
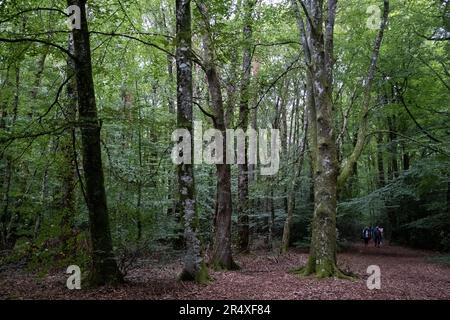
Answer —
319 59
243 200
322 259
104 268
318 50
194 267
68 170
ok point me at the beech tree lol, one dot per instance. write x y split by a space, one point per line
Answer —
194 267
104 267
243 204
221 253
319 56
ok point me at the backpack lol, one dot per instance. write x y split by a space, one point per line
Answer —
377 233
365 233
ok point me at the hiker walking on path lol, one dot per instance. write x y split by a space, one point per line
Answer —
381 234
377 236
366 235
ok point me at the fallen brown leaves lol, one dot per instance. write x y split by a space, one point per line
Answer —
405 274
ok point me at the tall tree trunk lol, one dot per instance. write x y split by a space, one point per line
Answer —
168 30
310 98
5 214
7 217
44 206
270 217
104 268
291 191
243 200
405 158
392 174
319 57
194 267
393 149
322 258
221 255
282 125
39 71
380 160
68 170
139 183
170 73
448 197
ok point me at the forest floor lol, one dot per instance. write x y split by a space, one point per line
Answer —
405 274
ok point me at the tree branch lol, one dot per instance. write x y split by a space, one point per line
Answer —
39 41
346 168
32 10
114 34
415 121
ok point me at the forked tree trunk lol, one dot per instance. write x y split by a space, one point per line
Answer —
221 255
319 57
347 167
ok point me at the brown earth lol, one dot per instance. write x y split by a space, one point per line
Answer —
405 274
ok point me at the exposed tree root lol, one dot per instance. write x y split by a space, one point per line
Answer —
325 269
201 277
220 266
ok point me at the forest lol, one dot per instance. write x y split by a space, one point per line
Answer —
224 149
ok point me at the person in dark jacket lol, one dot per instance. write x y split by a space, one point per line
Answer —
377 236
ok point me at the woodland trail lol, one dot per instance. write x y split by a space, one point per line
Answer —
405 274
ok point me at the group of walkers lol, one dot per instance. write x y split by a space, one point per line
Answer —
375 233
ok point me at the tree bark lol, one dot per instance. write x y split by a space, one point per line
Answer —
104 268
319 54
170 73
317 40
291 192
310 99
221 255
243 200
392 174
68 170
322 259
7 217
380 161
194 267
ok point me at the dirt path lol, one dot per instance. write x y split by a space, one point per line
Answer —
405 274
